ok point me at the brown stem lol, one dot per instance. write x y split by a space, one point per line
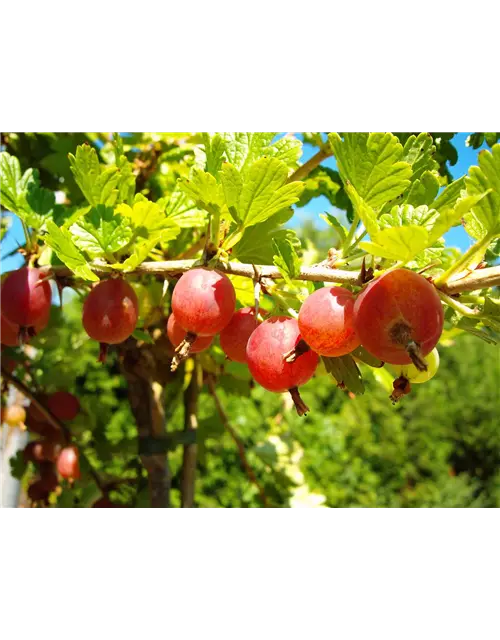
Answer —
241 449
305 169
300 405
416 356
300 348
479 279
146 402
183 350
190 450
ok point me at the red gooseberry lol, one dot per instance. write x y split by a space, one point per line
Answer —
68 465
40 450
176 334
326 322
203 301
399 318
63 405
265 350
26 299
234 337
110 313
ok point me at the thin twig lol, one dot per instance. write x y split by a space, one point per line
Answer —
305 169
241 449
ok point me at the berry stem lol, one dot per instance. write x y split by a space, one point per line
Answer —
300 348
103 352
415 354
183 350
300 405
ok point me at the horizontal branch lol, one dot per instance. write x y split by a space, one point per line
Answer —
478 279
175 267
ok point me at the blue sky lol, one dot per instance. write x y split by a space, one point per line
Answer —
456 237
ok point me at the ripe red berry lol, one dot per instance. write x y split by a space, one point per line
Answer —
326 322
176 334
265 350
203 301
399 317
110 313
26 298
41 450
10 332
68 465
63 405
234 337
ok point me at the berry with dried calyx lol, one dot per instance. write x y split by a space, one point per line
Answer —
176 334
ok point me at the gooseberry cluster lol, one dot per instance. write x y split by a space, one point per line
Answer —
397 318
53 457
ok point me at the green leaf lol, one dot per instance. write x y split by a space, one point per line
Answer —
89 494
346 373
61 242
322 181
256 245
363 210
183 212
203 189
448 198
265 191
101 232
288 150
373 164
232 183
286 258
13 185
397 243
142 335
333 222
243 149
118 146
140 252
451 217
214 148
18 465
147 219
485 179
491 138
407 214
423 190
85 167
362 354
418 152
